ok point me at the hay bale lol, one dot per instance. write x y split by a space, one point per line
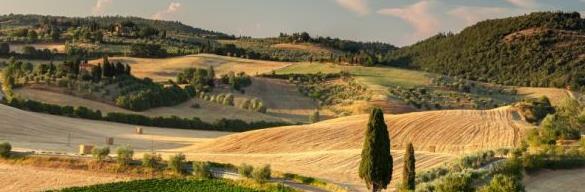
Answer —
432 148
139 130
109 141
85 149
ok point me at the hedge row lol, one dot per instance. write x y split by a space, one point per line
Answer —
135 119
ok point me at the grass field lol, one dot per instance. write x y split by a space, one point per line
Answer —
165 69
378 77
559 180
208 111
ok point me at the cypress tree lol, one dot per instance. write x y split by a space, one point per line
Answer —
408 173
376 164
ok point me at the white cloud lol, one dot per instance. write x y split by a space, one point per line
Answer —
526 4
100 6
359 7
472 15
169 11
420 16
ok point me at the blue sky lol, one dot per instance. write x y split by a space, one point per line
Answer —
400 22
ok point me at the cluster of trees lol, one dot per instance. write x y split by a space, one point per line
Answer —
148 50
236 81
135 119
140 95
254 104
109 70
486 52
260 174
567 122
200 79
339 44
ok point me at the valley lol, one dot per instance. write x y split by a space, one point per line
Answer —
134 104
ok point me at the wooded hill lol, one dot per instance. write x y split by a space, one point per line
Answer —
24 21
543 49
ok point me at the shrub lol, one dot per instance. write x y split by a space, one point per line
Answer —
176 163
202 170
100 154
151 160
263 174
502 183
314 117
5 149
246 170
125 155
455 182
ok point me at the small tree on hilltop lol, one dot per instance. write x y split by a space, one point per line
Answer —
376 164
409 174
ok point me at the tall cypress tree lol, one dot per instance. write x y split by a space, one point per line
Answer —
376 164
408 173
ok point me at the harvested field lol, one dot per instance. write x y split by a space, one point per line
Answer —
208 111
41 132
449 131
559 180
282 98
331 149
165 69
555 95
14 178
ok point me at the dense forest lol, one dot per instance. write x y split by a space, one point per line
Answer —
542 49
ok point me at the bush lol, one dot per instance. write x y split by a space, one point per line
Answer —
151 160
176 163
202 170
263 174
100 154
245 170
502 183
125 155
314 117
455 182
5 149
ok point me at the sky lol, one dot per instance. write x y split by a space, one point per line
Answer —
399 22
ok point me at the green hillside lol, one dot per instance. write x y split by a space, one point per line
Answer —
540 49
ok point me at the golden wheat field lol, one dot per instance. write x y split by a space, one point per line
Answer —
42 132
555 95
331 149
15 178
165 69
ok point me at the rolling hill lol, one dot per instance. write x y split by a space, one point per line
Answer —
331 149
167 68
538 50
